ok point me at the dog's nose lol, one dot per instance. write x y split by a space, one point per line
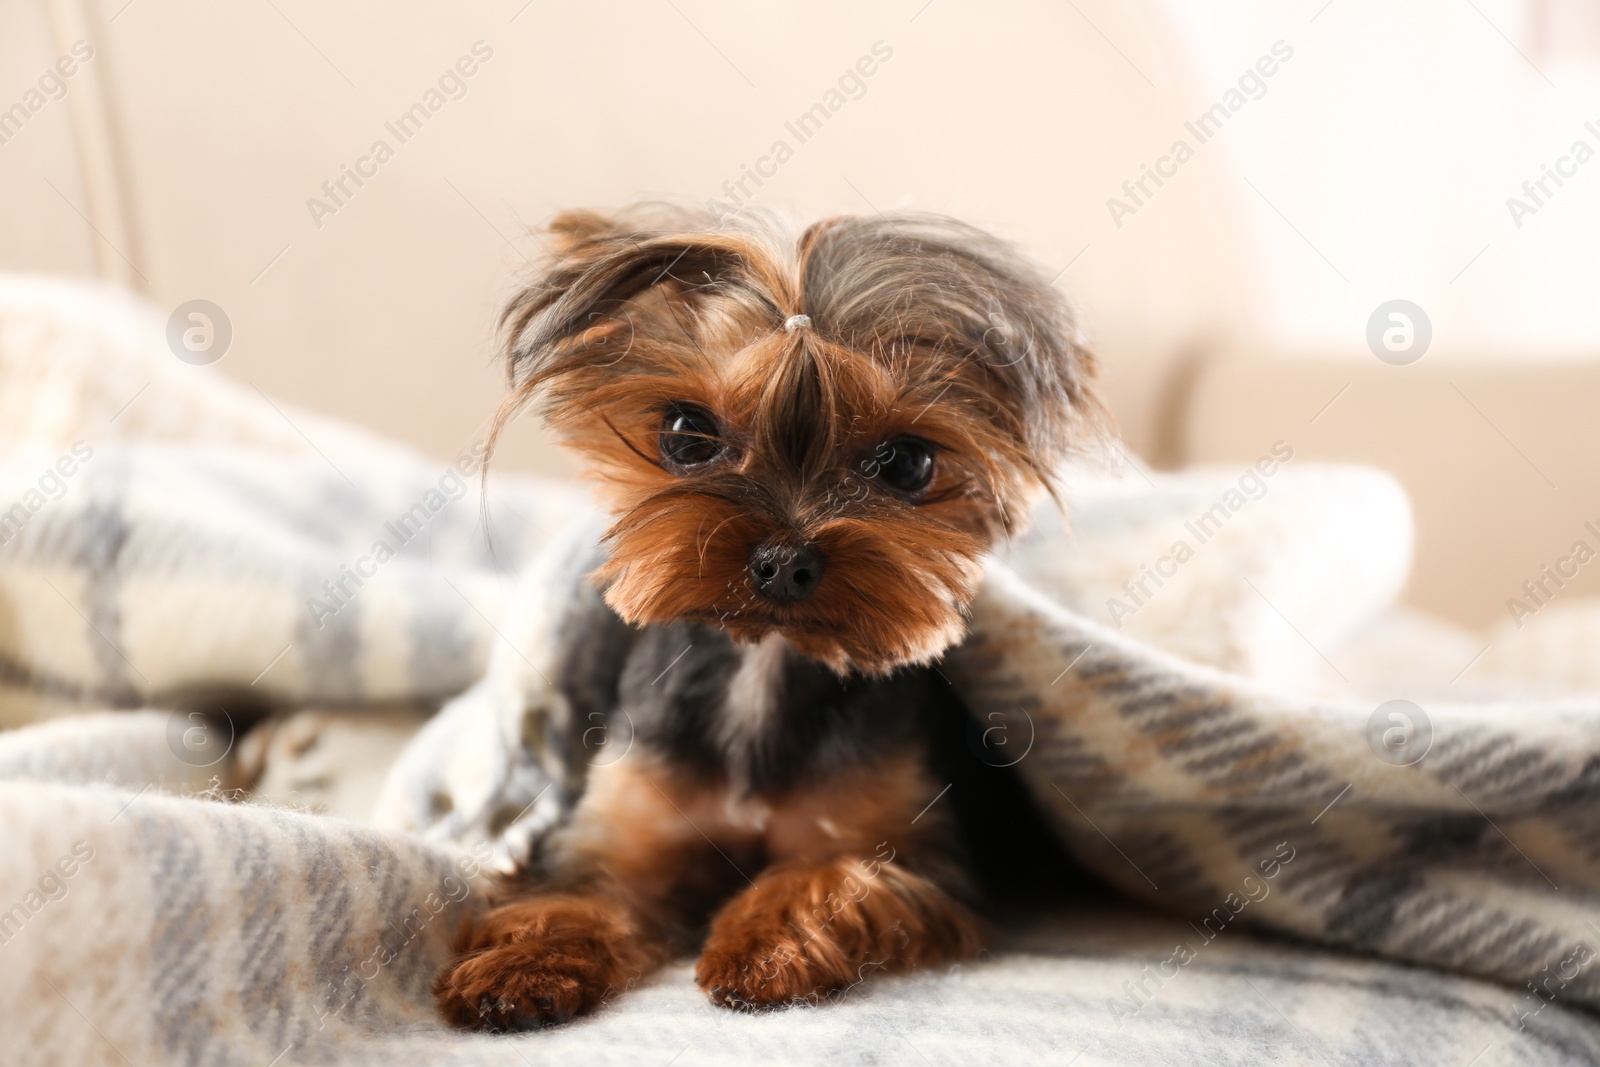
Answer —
785 572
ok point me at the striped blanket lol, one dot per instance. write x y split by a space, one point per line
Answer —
222 620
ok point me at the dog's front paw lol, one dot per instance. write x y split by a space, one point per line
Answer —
512 988
540 962
803 931
759 973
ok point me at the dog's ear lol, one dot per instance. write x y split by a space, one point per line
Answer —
998 339
616 300
586 292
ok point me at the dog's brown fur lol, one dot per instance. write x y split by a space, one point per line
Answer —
919 327
839 898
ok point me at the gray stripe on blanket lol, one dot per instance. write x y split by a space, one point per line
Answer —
330 646
181 947
441 637
264 930
94 544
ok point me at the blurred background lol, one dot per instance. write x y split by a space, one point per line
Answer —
1233 195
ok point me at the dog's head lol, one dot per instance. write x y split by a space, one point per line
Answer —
818 436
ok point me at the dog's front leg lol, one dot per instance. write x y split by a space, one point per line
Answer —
622 886
866 877
807 929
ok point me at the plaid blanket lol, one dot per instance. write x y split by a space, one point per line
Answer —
151 913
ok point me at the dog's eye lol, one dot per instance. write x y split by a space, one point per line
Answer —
904 464
689 437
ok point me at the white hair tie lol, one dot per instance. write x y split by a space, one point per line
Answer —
796 322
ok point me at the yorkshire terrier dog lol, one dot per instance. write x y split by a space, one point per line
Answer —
807 444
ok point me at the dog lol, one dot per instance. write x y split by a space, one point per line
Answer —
806 444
